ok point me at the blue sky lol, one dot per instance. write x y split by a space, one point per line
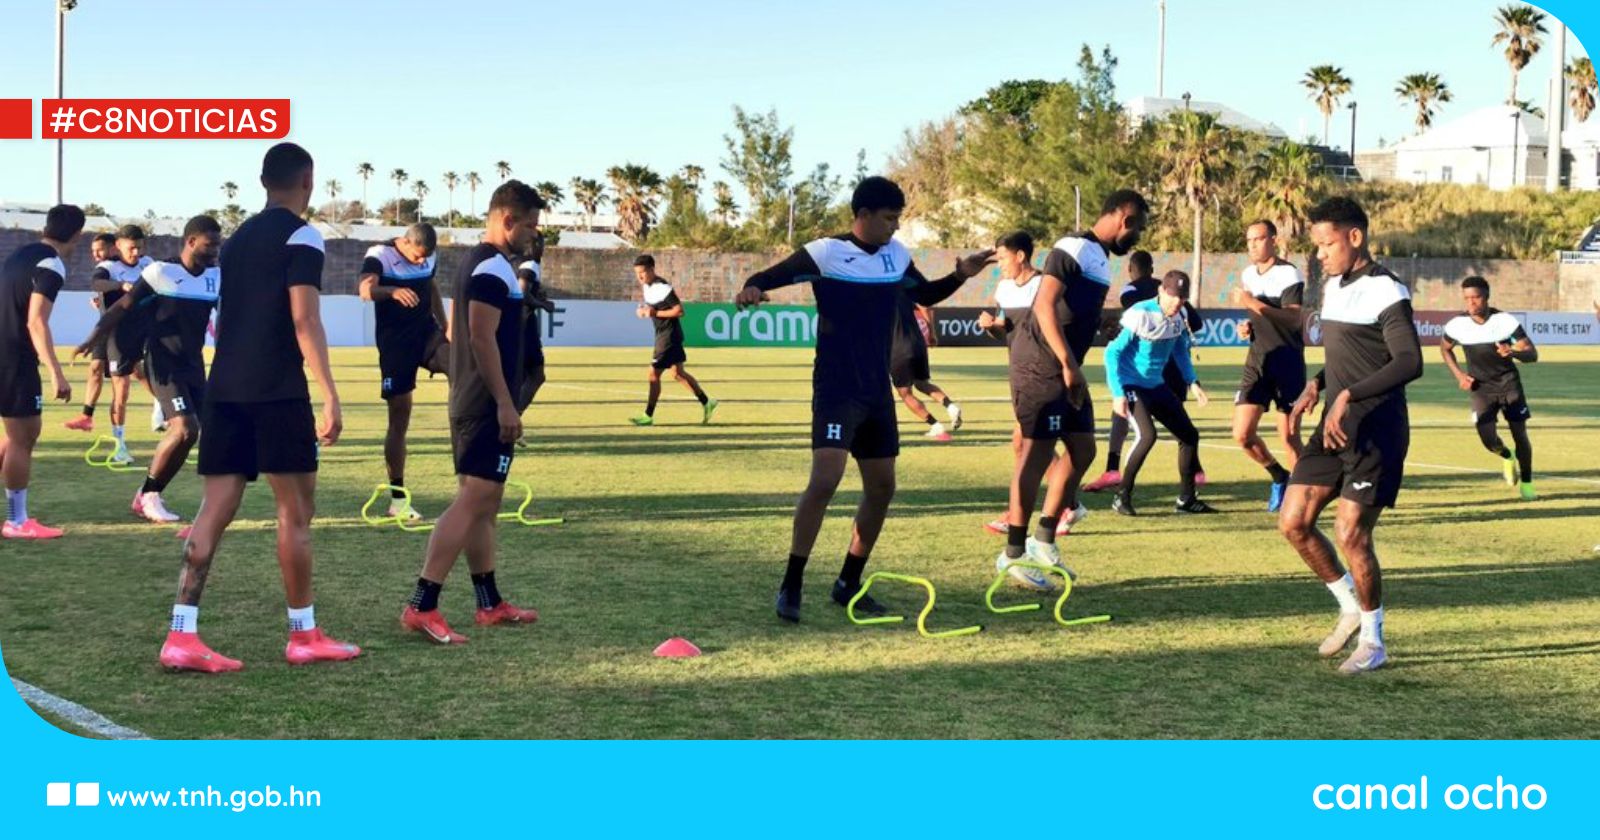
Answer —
564 89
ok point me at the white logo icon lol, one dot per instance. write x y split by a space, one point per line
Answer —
1055 422
1360 485
504 466
835 431
178 405
387 383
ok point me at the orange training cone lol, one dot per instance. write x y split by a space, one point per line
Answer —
677 647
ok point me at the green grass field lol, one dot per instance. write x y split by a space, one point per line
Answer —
1494 604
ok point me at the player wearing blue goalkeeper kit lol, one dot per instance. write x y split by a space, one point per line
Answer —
1154 333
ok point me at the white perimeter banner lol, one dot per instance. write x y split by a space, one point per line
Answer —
349 322
1560 327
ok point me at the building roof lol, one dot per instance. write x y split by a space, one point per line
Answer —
1154 108
1488 128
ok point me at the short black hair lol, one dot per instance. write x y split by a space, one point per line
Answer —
644 261
1017 240
876 193
133 232
283 165
201 226
423 235
1176 283
1339 210
1125 198
1143 261
515 197
105 238
63 222
1476 282
1272 229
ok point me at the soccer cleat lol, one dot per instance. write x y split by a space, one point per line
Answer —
937 432
122 457
1509 468
843 592
642 420
1341 635
29 530
1122 505
1200 479
1071 519
504 613
1193 506
1050 553
998 525
710 409
1368 657
789 605
184 532
307 646
1275 500
1022 575
1526 489
955 417
136 507
1106 481
81 423
185 652
402 510
430 624
153 508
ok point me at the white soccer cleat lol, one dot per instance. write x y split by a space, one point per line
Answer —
1050 553
937 432
1071 519
158 418
153 508
1023 576
1368 657
403 511
1349 623
955 417
122 457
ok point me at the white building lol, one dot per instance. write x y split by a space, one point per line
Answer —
1582 141
1154 108
1498 146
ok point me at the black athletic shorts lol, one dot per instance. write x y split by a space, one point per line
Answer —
248 439
673 355
98 352
1279 377
1370 467
180 393
528 388
1487 406
21 392
1044 413
475 443
120 362
868 430
399 360
909 368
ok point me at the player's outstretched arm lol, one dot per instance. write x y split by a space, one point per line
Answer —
795 268
110 319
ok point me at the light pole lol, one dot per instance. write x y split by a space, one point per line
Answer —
62 7
1185 100
1161 48
1516 130
1077 208
1352 107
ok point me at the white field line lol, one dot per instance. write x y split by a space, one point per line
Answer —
80 716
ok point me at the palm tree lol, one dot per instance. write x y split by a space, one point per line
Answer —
551 192
692 175
230 189
450 181
1423 89
333 187
503 169
1526 106
1580 75
420 188
1197 153
637 188
399 177
590 195
723 196
1286 175
473 181
1327 83
365 170
1520 28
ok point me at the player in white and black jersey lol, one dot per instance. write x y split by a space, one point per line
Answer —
909 368
535 300
665 311
101 248
112 279
1357 453
30 279
1049 391
182 294
1272 290
398 278
485 422
1494 342
858 278
257 411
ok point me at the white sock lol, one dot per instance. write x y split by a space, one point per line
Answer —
156 413
302 619
116 432
17 506
953 410
936 429
1372 627
185 619
1344 591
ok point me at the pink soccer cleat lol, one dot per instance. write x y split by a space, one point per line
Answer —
307 646
185 652
29 530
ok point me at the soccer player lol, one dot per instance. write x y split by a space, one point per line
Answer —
1493 342
114 278
858 278
100 249
185 291
1154 334
30 279
908 367
530 274
257 412
484 419
1049 391
1275 367
397 277
1357 452
662 307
